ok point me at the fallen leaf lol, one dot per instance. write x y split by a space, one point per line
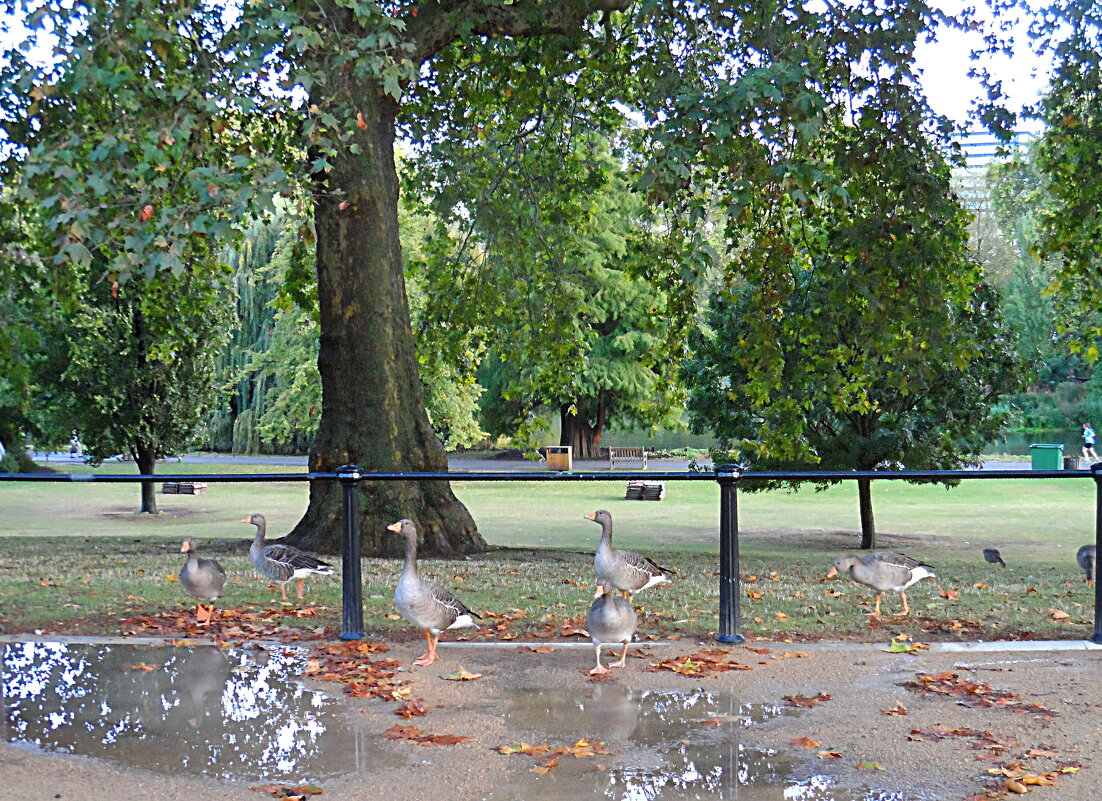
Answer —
142 666
830 755
1058 614
754 595
805 742
870 766
172 578
287 791
415 735
1015 786
806 702
462 675
952 595
781 615
409 709
897 710
146 212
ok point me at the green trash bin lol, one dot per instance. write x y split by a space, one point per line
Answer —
1046 457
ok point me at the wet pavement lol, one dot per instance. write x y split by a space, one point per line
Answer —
234 715
668 745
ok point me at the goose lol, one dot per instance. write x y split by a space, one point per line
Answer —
993 556
880 571
611 620
625 571
426 604
203 579
281 563
1085 556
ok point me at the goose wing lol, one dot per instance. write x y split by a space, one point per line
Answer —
645 567
293 559
446 607
893 558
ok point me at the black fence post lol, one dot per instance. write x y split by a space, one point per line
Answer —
729 614
352 599
1096 472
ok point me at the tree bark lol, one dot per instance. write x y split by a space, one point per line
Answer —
373 412
578 432
868 525
146 461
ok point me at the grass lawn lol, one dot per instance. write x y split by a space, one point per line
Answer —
78 557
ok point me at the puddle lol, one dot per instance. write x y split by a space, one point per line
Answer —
227 714
664 753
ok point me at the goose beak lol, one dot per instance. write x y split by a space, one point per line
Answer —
832 573
395 527
247 519
184 548
590 516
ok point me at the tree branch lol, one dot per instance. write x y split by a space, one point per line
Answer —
439 23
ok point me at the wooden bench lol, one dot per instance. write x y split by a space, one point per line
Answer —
645 491
627 453
184 488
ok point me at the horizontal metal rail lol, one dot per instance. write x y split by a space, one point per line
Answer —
727 476
605 475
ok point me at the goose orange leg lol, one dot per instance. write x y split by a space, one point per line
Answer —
301 581
623 658
876 612
906 609
429 656
283 589
600 669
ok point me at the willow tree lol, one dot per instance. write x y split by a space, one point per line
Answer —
192 118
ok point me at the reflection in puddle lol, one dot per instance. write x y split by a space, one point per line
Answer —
204 711
666 752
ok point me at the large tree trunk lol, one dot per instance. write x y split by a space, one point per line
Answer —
577 431
868 526
373 412
146 461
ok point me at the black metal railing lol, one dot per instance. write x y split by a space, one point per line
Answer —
727 476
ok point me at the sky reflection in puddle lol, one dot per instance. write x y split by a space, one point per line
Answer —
666 752
229 714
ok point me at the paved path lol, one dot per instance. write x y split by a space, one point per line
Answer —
458 463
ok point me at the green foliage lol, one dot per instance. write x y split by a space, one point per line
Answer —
1069 156
139 369
866 336
548 282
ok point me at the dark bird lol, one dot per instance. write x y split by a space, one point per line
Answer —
993 556
281 563
1085 557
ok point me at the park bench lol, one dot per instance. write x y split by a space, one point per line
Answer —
184 488
638 453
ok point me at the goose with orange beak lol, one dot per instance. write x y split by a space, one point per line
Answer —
882 571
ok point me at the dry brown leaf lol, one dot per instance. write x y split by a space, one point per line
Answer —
805 742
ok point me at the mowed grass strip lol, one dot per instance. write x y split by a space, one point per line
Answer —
79 558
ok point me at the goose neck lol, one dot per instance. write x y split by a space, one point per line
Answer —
410 567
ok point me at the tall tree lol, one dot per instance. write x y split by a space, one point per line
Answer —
1069 156
588 339
184 132
870 340
138 374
